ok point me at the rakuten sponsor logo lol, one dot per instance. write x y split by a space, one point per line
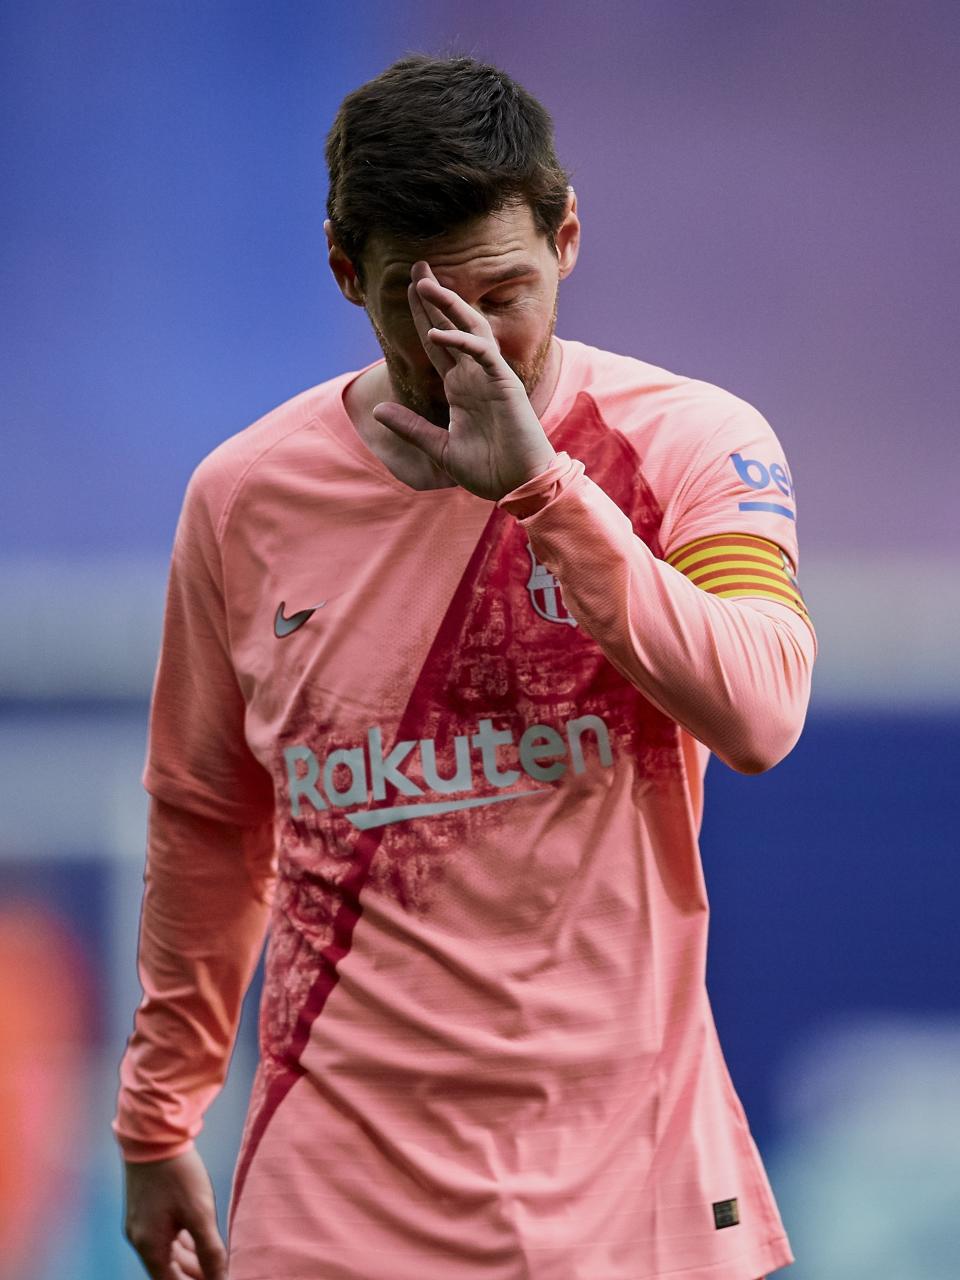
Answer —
544 755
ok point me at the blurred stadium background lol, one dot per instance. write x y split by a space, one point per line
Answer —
768 195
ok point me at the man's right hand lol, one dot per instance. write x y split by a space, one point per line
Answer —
171 1220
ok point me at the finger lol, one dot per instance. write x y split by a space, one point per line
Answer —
182 1268
421 274
451 306
213 1261
423 271
185 1256
483 350
442 361
155 1256
432 440
211 1253
435 317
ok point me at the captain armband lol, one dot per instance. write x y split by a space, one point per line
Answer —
739 564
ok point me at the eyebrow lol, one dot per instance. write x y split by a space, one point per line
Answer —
394 277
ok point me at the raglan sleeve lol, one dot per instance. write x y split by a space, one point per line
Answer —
728 655
210 864
198 757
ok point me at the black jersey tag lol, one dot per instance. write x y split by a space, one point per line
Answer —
726 1213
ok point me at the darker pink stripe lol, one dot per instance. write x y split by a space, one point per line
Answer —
351 908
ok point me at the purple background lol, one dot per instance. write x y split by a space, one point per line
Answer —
768 195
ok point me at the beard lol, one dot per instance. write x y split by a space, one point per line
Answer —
426 397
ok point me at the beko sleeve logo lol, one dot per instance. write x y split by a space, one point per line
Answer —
758 475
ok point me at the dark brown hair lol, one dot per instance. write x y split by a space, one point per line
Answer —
432 143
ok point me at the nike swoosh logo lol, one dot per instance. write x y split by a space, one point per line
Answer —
286 626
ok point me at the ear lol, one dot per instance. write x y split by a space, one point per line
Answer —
567 239
344 272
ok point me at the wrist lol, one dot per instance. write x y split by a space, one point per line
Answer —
541 489
526 506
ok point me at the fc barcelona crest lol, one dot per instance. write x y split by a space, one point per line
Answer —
545 594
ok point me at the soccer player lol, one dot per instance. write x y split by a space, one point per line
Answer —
448 642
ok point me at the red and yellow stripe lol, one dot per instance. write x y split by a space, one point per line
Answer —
739 564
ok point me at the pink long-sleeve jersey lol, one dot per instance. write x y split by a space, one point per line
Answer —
452 752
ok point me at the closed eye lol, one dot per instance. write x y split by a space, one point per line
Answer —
497 303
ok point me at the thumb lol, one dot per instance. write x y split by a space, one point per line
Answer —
211 1253
431 440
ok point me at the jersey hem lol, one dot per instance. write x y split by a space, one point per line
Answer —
753 1264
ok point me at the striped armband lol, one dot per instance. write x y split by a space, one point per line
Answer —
738 564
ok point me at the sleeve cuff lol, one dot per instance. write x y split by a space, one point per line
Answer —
136 1151
535 494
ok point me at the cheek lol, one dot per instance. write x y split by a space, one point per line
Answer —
397 323
400 334
520 333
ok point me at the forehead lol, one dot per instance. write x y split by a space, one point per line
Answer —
486 246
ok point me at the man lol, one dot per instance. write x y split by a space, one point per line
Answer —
448 642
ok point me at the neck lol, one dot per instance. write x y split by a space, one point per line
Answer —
542 393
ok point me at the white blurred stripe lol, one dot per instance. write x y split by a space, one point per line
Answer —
89 629
889 630
70 784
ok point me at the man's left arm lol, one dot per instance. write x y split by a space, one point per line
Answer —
735 672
